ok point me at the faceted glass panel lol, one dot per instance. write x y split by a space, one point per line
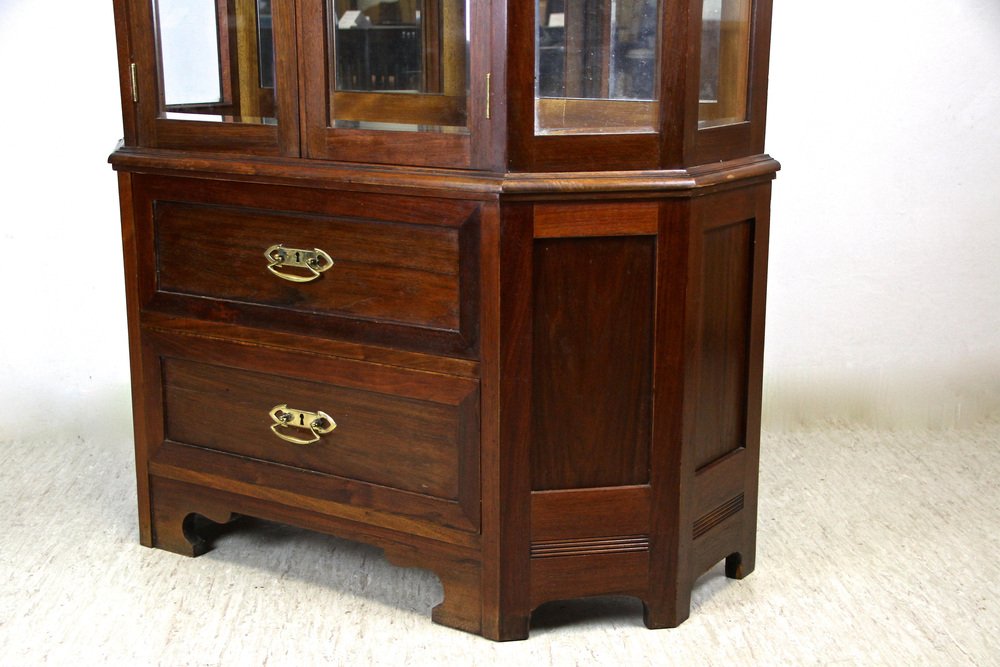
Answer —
399 64
216 60
725 57
596 66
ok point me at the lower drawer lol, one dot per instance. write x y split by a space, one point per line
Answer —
369 436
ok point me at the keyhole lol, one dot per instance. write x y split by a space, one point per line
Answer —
302 419
298 258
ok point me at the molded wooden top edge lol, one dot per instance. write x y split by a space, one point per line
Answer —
446 182
303 172
652 181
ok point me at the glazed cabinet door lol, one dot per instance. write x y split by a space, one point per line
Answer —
400 82
731 94
586 81
635 84
213 74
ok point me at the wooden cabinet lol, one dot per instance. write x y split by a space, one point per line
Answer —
479 283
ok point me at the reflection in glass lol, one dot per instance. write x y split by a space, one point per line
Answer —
190 52
725 50
596 65
265 43
386 47
216 60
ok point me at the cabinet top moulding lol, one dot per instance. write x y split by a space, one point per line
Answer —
441 182
464 85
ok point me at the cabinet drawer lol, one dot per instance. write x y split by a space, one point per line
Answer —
398 433
386 439
385 271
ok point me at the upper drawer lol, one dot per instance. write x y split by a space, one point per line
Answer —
399 271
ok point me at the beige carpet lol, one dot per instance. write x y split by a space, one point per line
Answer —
874 549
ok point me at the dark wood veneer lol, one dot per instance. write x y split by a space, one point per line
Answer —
724 322
383 439
381 271
592 348
544 353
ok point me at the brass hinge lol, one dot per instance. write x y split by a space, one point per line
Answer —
488 95
135 82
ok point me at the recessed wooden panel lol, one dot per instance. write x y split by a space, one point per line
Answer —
591 360
618 573
727 279
403 443
589 513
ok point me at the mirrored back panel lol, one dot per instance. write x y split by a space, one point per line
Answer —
216 60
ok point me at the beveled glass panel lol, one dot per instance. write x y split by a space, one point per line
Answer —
399 64
725 58
216 60
596 66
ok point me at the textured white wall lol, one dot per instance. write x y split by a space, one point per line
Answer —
63 344
884 292
885 264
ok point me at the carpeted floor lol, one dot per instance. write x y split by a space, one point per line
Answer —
873 549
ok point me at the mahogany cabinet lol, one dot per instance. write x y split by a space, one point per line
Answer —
481 283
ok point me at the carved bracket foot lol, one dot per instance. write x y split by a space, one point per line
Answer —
183 524
460 577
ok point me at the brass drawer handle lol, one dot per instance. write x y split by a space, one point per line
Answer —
285 419
314 261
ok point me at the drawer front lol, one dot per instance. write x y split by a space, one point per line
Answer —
385 272
402 439
380 271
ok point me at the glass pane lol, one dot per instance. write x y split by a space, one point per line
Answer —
596 66
725 56
400 64
216 60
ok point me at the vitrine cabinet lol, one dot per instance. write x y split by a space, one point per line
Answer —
480 283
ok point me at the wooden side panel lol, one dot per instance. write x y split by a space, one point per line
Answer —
728 359
591 361
727 279
138 363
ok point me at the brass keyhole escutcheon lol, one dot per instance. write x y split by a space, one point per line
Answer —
314 261
288 420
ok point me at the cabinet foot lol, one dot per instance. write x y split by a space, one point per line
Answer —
666 614
462 604
462 607
739 565
460 578
184 525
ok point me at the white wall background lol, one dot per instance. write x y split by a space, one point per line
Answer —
884 291
884 304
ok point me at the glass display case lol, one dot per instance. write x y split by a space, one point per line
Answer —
399 65
725 62
596 66
481 283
